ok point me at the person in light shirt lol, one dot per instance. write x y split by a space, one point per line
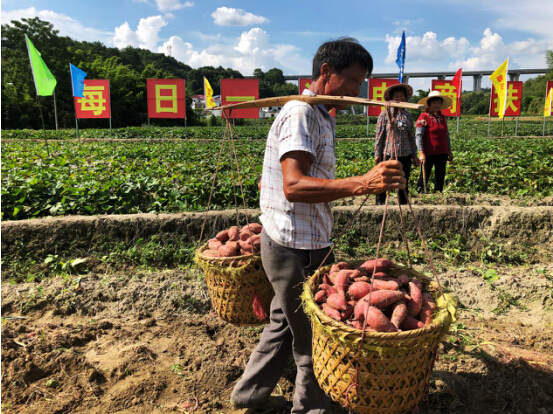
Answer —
297 188
404 137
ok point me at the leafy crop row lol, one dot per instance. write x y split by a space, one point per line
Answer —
72 177
469 127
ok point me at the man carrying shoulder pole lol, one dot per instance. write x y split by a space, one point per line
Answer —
297 189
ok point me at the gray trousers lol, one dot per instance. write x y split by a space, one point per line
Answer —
289 332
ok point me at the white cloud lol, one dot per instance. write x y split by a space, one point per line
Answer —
426 48
169 15
124 36
170 5
252 50
225 16
66 25
430 54
146 35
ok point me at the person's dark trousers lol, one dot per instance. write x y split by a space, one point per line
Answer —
407 162
439 162
289 332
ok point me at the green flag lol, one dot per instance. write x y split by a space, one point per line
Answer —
44 80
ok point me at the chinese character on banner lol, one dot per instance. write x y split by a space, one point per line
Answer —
446 87
548 104
240 90
376 92
305 83
95 103
166 98
514 100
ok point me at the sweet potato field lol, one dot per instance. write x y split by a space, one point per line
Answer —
104 310
124 177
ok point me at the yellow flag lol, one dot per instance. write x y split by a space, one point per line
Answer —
547 107
209 102
499 80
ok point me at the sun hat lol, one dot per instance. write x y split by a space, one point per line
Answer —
446 100
389 92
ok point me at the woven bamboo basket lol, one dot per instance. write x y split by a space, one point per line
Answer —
390 372
232 283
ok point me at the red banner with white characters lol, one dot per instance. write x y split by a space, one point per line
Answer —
376 92
240 90
166 98
95 103
305 83
448 88
514 100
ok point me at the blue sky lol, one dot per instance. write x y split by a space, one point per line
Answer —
441 35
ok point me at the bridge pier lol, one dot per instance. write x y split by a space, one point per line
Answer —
513 77
477 83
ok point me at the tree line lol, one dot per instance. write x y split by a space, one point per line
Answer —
128 68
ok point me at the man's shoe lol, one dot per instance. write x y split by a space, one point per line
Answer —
274 401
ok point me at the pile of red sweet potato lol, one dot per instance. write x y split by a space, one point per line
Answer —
235 241
382 304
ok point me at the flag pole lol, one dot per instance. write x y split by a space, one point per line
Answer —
55 110
43 127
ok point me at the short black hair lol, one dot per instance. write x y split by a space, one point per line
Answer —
435 98
341 54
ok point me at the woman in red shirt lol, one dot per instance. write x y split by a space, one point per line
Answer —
432 137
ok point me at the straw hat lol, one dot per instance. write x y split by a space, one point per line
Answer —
389 92
446 100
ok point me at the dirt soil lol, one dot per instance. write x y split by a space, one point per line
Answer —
147 342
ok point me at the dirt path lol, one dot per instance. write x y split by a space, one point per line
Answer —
146 342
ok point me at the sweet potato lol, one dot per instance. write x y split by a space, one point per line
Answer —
403 280
360 310
254 228
417 283
347 313
427 309
337 301
245 252
330 290
409 324
331 312
383 298
320 296
359 325
234 233
385 284
362 279
415 303
381 264
222 236
377 320
326 279
339 266
233 244
214 244
358 273
341 281
226 251
399 313
245 244
212 253
245 233
256 245
358 290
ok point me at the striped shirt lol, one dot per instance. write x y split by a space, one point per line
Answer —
298 127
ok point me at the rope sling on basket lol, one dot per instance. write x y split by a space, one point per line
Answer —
238 287
365 370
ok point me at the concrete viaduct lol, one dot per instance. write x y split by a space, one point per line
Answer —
514 75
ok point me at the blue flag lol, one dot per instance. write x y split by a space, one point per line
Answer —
400 61
77 81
